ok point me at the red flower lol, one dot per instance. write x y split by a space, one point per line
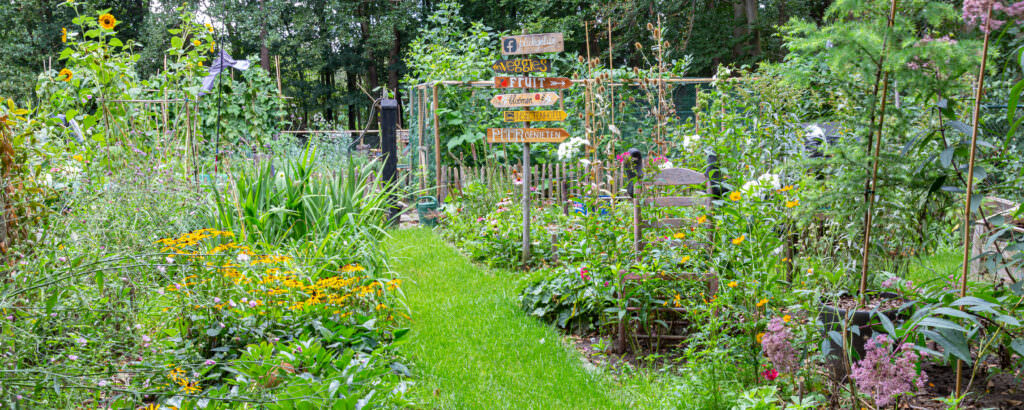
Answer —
770 374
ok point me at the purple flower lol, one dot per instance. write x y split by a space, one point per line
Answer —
81 341
886 373
72 357
778 346
62 259
252 303
146 339
216 300
210 362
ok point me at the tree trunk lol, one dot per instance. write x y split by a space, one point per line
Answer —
750 11
739 29
371 69
264 50
745 20
353 109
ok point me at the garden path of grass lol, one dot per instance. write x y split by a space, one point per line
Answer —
471 346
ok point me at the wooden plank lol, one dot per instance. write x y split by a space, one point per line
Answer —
526 135
532 43
524 100
679 176
672 201
532 116
522 65
548 83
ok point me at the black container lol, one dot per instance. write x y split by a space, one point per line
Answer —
832 318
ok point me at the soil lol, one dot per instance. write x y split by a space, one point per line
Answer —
848 302
990 389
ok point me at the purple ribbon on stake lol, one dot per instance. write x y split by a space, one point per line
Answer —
222 61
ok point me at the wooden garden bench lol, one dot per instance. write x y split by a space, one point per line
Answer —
666 178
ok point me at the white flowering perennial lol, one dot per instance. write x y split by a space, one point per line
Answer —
763 183
571 148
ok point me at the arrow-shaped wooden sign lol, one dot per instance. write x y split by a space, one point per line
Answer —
522 116
532 43
522 65
524 100
524 135
551 83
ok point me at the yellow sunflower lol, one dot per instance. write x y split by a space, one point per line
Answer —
63 34
209 27
66 74
792 204
196 43
739 239
735 196
107 21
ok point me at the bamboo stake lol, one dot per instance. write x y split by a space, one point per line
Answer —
874 171
970 182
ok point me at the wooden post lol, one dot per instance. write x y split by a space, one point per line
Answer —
437 143
526 203
277 66
389 150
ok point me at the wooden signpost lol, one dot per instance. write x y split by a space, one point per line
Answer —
532 43
522 65
526 135
530 116
528 44
549 83
524 100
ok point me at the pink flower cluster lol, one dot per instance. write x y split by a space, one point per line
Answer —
777 344
975 12
886 373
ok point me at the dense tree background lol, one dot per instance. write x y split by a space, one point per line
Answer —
334 53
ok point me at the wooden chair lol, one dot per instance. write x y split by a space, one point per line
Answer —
666 178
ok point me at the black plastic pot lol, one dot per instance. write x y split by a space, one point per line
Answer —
832 318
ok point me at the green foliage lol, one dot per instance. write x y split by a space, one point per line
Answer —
249 110
302 201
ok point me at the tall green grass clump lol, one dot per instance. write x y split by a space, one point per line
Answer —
302 204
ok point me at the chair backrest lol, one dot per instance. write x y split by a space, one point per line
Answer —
669 177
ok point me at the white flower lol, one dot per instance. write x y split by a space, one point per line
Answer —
763 183
571 148
689 141
814 131
243 258
666 165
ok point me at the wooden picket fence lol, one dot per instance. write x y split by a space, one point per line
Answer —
551 182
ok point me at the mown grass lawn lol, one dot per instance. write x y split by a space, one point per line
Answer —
472 347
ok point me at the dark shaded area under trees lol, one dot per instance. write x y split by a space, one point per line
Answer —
333 53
